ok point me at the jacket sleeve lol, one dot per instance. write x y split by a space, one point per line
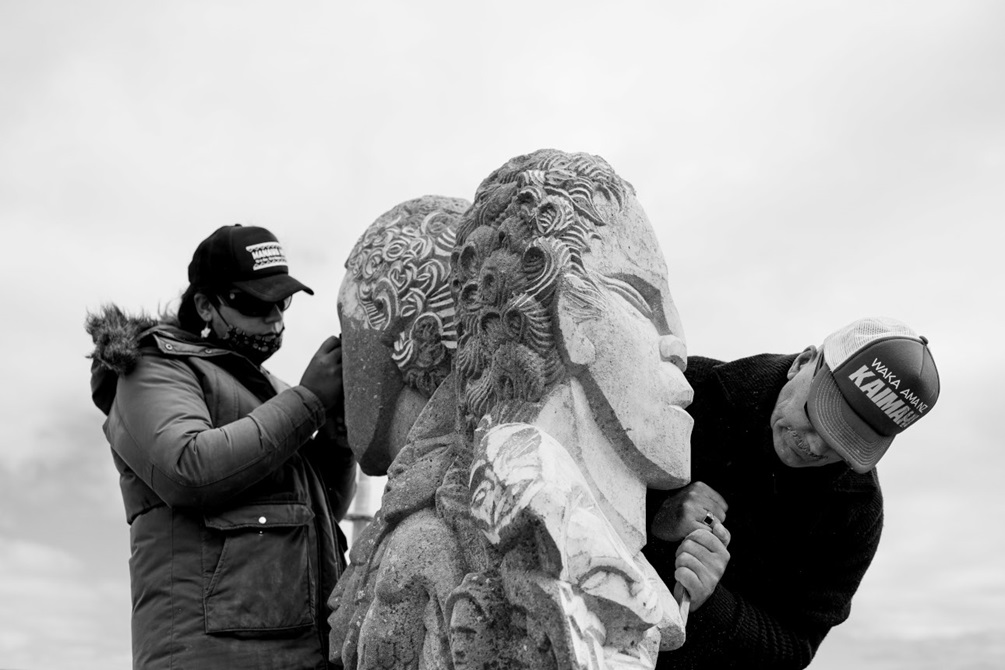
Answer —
730 630
329 452
161 427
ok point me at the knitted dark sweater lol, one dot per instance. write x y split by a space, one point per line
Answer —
801 541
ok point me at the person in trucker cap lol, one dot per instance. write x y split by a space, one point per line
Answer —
233 481
784 511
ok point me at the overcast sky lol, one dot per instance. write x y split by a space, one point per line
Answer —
804 164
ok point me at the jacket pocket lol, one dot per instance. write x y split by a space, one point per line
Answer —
263 579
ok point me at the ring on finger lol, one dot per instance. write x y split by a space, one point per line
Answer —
709 519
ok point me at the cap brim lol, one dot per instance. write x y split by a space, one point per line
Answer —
272 289
837 423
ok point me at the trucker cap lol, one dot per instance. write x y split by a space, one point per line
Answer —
249 258
876 377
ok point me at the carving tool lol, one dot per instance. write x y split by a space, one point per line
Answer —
685 602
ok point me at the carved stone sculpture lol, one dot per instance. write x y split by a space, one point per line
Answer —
397 318
510 530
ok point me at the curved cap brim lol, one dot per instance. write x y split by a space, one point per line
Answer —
842 429
272 289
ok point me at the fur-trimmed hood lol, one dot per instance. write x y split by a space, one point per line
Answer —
117 340
116 336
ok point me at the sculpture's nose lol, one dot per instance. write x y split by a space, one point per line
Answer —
673 350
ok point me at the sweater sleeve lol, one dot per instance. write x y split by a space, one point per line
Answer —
161 427
732 630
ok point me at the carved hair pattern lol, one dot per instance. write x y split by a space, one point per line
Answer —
402 271
530 224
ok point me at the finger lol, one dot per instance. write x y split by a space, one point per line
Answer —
692 563
710 510
708 571
673 523
715 500
688 579
330 344
702 509
678 592
708 519
707 538
721 532
698 551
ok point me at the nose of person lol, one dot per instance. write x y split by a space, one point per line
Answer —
673 350
275 318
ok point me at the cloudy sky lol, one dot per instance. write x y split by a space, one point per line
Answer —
803 163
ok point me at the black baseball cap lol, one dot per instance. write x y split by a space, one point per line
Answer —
248 258
876 378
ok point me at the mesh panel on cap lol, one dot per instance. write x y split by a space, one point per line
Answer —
841 344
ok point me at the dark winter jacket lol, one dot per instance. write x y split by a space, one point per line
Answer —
235 545
801 539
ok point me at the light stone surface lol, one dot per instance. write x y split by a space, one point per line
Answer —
524 483
510 531
397 321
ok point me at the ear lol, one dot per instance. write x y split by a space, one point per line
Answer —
805 356
573 336
203 306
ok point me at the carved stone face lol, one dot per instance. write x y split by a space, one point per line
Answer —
630 352
469 642
558 273
478 624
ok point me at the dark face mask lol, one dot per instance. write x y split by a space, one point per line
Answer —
256 348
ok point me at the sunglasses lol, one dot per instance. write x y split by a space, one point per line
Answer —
251 306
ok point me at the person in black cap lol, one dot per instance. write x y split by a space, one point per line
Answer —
233 481
788 446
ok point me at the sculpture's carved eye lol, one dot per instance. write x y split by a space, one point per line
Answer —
628 292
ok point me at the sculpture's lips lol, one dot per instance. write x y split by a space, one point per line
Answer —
679 409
